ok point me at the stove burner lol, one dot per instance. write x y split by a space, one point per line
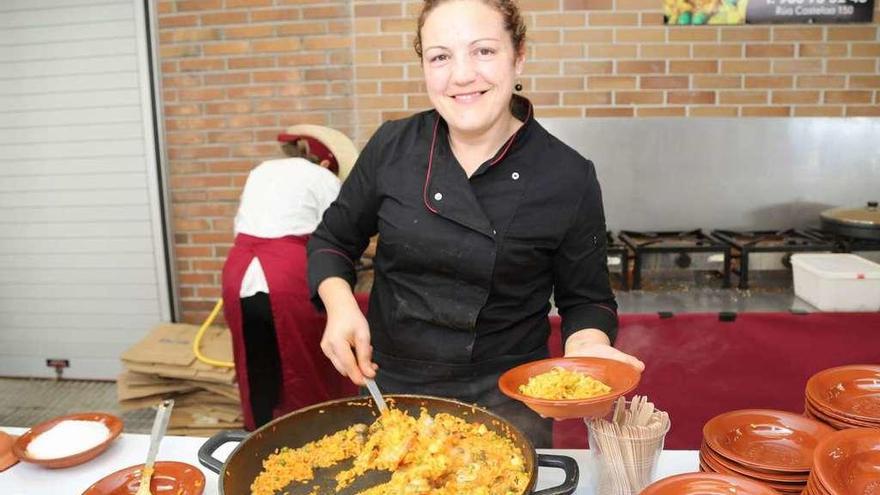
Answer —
682 243
744 243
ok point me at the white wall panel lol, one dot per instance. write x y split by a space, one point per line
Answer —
73 182
66 230
68 84
70 166
67 15
65 66
49 118
80 213
63 134
56 101
85 246
74 198
83 273
72 49
73 277
82 149
142 292
110 323
98 260
71 32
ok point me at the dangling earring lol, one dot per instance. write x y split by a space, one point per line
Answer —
518 87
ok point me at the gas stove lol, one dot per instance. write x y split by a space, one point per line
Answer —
765 251
682 258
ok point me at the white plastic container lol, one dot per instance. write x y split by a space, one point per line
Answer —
837 281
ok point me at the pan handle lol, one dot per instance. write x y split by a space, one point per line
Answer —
564 463
206 451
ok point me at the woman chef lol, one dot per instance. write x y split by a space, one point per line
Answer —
276 330
481 215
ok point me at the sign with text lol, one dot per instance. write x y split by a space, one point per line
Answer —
726 12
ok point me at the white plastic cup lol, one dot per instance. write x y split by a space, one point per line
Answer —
623 473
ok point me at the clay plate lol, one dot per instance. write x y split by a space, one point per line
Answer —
763 475
835 419
114 424
706 484
839 416
814 488
621 377
785 487
851 391
169 478
765 439
848 461
837 425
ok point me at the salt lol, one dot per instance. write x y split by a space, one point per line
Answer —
67 438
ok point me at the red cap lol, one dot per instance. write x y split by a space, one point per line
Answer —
316 148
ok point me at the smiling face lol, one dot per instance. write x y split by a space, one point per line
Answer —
470 65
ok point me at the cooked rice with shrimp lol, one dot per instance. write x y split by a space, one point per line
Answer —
430 455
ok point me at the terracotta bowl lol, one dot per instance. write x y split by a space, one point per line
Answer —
766 439
621 377
851 391
707 484
848 461
114 424
169 478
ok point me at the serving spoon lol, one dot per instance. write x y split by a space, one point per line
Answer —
160 424
377 395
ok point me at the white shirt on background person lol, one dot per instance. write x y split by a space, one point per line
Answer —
282 197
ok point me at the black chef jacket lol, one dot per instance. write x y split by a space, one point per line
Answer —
465 267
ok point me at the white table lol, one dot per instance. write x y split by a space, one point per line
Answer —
131 449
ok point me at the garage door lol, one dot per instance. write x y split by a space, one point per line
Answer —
83 269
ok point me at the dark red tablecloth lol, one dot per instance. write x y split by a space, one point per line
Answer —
698 366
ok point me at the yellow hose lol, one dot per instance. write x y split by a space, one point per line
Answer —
198 340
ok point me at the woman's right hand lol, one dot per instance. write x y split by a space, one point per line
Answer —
346 340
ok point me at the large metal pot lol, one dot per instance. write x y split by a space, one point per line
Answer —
311 423
862 223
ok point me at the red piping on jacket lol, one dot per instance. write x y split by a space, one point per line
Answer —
337 253
430 163
512 139
431 155
606 308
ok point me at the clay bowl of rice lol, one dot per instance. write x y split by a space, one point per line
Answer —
68 440
564 388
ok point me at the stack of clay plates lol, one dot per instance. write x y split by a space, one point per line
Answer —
846 462
767 446
845 397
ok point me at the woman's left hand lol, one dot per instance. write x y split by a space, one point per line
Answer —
594 343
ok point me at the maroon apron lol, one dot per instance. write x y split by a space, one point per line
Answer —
307 376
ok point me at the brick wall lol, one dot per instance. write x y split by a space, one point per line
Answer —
235 72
